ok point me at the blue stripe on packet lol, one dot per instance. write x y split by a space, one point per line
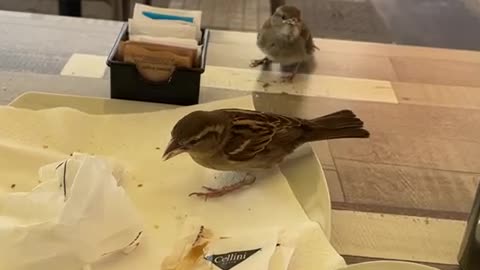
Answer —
158 16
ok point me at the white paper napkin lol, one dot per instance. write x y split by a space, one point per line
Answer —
195 15
76 216
158 29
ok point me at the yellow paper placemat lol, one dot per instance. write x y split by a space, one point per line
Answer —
302 168
29 139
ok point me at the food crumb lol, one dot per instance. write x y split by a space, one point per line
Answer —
12 186
265 85
156 226
158 148
45 146
140 185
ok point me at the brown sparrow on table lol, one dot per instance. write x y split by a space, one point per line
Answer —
284 38
244 140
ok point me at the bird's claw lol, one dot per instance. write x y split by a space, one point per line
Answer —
210 193
210 189
258 62
200 194
218 192
288 78
254 63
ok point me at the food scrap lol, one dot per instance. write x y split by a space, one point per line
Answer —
190 257
12 186
140 185
199 235
264 84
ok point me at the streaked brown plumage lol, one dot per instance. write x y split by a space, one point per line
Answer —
245 140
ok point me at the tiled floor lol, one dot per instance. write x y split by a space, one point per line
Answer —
439 23
359 19
243 15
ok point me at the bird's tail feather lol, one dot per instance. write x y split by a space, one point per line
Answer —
337 125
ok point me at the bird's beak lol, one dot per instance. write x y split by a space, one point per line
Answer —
173 149
291 21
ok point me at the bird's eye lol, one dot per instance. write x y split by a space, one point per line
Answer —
284 17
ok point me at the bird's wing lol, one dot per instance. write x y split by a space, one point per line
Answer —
251 132
261 33
307 36
266 24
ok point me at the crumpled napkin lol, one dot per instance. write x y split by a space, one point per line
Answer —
77 215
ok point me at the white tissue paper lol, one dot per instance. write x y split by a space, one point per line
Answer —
77 215
136 27
161 22
140 12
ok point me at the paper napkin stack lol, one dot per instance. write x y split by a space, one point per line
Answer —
161 39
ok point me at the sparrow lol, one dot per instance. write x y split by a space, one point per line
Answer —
246 140
284 38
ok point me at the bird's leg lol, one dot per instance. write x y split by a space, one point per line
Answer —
258 62
289 78
218 192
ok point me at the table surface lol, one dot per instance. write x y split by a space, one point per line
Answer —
403 194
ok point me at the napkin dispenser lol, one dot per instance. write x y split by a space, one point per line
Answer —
181 88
